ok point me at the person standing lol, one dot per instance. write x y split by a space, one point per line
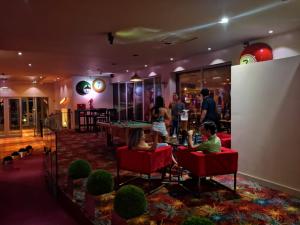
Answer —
177 108
159 115
208 108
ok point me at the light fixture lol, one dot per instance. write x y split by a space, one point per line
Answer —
127 71
34 82
270 31
29 64
152 74
185 89
171 59
146 65
41 77
224 20
216 78
179 68
19 53
135 78
57 78
209 49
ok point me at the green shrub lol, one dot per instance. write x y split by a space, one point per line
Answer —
15 154
7 158
195 220
79 169
100 182
29 147
22 150
130 201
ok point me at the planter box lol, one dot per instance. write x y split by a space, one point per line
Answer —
76 190
140 220
99 208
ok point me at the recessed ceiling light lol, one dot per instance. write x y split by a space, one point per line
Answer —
20 53
209 49
171 59
29 64
270 31
41 77
224 20
127 71
185 89
57 78
146 65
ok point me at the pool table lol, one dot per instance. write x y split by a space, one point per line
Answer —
121 129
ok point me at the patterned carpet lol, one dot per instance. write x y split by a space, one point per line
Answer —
253 203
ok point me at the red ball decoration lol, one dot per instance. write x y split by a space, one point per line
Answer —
256 53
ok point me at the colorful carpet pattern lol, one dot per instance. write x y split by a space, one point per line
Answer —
252 204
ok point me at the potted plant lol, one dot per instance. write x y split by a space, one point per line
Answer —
130 202
100 185
7 160
22 152
196 220
15 155
78 172
29 149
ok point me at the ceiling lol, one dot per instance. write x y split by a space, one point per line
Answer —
62 38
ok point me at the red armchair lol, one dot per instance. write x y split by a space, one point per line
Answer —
212 164
225 139
143 162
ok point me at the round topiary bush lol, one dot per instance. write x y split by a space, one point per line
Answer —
15 154
100 182
7 159
195 220
79 169
29 147
130 201
22 150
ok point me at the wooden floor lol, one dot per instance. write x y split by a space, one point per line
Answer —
11 144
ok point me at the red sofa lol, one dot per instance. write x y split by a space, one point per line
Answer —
212 164
143 162
225 139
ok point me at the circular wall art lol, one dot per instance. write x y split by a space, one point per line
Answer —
83 87
99 85
256 52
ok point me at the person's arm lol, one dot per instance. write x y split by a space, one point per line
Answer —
203 114
204 109
191 147
155 140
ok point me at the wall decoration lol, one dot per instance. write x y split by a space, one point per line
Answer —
83 87
256 53
99 85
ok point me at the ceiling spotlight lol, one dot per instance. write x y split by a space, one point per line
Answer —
209 49
29 64
19 53
270 31
146 65
171 59
224 20
127 71
41 77
57 78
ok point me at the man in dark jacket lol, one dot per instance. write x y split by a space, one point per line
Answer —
208 108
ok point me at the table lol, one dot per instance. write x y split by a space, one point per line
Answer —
122 129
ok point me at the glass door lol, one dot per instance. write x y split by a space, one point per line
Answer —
14 119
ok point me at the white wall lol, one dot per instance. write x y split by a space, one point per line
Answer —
265 121
284 45
101 100
25 89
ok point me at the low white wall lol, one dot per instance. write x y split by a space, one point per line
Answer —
265 121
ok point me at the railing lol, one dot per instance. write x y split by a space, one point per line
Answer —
50 159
